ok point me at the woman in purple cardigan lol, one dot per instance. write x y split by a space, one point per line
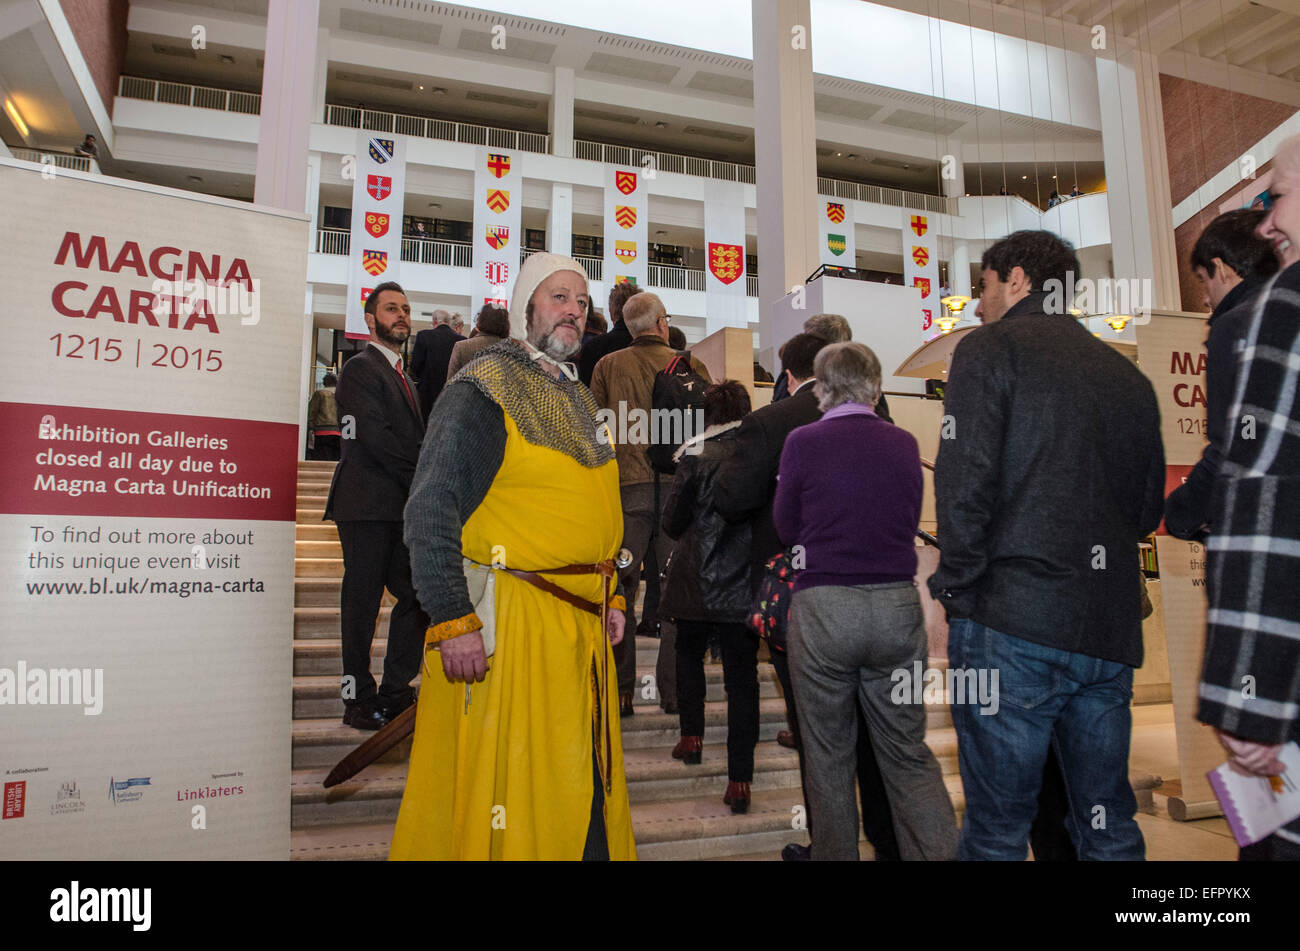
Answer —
849 498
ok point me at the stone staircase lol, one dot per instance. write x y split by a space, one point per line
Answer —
677 810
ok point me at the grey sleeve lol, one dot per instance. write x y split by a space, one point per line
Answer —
463 450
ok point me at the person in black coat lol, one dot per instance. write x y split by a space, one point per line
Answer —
617 338
833 328
382 434
746 486
430 358
1232 263
707 592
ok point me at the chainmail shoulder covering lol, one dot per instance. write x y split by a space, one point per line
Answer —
557 414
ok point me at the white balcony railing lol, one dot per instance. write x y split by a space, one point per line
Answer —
80 163
456 254
443 129
881 195
663 161
183 94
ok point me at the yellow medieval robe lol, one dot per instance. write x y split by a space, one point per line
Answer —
510 776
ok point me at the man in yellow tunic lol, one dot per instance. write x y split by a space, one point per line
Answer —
518 755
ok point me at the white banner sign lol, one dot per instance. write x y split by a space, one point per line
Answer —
1171 352
498 229
375 254
921 267
627 214
725 302
147 514
837 243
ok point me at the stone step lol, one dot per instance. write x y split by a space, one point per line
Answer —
318 567
322 622
317 492
316 592
316 465
321 743
317 531
318 697
323 658
310 513
325 549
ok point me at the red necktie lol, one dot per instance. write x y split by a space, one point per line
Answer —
406 386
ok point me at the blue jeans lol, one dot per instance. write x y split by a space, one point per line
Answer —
1076 703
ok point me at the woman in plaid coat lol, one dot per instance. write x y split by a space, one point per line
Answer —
1250 682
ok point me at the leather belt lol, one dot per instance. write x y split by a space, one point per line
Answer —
604 568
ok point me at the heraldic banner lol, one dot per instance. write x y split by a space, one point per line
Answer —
498 228
725 303
377 194
627 213
147 519
835 230
921 267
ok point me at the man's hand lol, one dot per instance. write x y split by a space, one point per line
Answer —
615 621
463 658
1249 757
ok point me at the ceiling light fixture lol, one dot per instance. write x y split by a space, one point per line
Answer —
439 91
421 85
1118 321
17 119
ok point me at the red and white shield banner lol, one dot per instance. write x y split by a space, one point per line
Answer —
379 186
376 224
726 261
626 182
497 272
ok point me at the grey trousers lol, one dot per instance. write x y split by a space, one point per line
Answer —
638 519
844 644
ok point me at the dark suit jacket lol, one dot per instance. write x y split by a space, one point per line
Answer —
746 483
617 338
429 362
374 474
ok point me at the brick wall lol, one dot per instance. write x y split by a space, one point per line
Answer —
100 29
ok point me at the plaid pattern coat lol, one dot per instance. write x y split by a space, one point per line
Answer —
1250 681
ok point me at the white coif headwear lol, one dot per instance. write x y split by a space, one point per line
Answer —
537 268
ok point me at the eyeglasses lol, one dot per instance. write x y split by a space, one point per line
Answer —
1264 200
665 318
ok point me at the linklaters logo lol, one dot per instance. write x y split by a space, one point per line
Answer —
121 790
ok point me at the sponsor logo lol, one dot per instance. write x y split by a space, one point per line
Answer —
497 272
835 211
498 164
497 236
15 803
920 255
625 182
726 261
835 242
920 224
374 262
498 199
625 251
379 187
123 790
381 150
68 800
924 284
625 215
376 224
205 791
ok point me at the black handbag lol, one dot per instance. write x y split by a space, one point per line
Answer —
769 614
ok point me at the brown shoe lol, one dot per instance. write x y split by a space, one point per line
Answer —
737 797
625 704
787 739
689 750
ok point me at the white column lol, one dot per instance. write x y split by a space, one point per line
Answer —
952 170
1137 175
785 153
313 196
288 90
321 75
561 113
559 220
960 268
